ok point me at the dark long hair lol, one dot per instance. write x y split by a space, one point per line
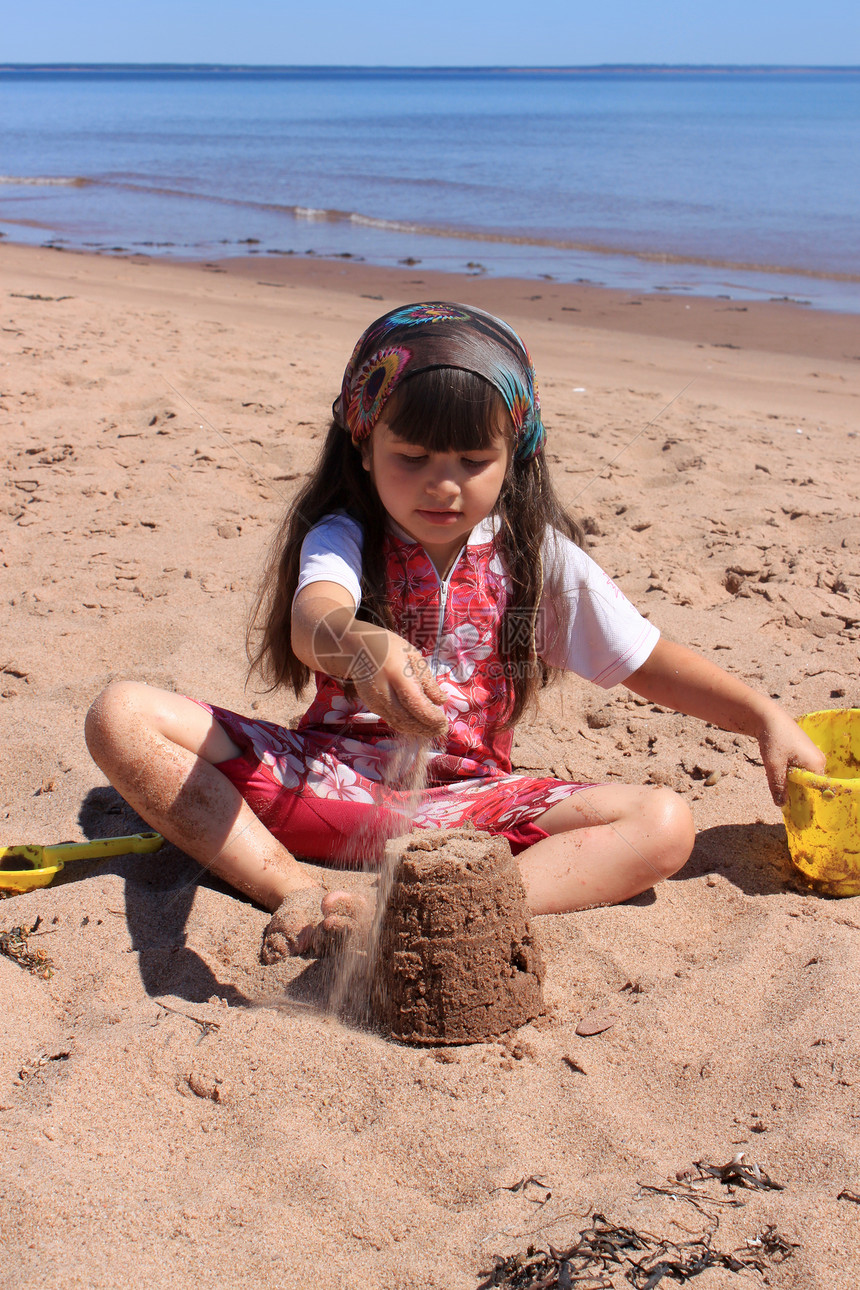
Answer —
441 410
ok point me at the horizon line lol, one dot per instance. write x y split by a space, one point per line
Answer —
432 67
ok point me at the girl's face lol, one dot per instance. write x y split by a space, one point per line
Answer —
435 497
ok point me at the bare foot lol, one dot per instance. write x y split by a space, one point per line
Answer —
296 930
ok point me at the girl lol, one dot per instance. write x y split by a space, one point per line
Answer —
430 579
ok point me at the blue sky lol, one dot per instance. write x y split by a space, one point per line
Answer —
434 32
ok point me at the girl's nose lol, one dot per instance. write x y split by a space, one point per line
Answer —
441 483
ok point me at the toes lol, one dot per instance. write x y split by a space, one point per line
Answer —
310 942
319 940
275 947
284 930
326 939
295 929
344 904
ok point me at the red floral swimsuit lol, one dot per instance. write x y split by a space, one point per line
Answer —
342 782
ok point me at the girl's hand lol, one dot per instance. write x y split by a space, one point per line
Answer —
390 676
400 688
783 744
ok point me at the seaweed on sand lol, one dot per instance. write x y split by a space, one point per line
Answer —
606 1251
14 945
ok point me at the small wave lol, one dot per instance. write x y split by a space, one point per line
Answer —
314 214
403 226
46 181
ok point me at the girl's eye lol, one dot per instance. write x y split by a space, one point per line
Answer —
473 464
413 461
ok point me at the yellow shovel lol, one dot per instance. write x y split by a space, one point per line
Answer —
25 867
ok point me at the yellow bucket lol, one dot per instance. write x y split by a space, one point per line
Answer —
822 812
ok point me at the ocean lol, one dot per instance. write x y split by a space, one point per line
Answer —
724 181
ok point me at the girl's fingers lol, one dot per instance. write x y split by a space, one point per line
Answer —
408 712
775 768
432 688
406 694
421 670
781 754
427 704
413 713
776 784
431 717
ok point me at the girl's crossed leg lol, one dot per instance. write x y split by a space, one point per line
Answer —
606 844
161 752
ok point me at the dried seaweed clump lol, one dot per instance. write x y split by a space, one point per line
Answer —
14 945
605 1252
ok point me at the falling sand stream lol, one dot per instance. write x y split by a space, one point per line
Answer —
356 987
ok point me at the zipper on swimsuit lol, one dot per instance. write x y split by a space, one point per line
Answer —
443 603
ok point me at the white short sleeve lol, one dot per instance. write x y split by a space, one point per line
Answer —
608 639
331 552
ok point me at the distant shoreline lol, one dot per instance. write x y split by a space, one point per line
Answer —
279 69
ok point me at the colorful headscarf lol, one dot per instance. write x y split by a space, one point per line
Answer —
418 338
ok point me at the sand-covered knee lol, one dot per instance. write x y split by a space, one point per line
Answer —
456 960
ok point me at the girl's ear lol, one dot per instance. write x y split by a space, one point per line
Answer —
363 447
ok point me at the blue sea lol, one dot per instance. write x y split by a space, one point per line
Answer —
721 181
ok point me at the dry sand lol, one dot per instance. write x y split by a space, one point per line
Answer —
171 1112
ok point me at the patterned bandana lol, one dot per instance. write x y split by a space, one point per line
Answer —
418 338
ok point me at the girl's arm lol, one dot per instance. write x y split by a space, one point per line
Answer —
676 677
390 676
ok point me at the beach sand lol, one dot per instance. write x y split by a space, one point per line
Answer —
173 1113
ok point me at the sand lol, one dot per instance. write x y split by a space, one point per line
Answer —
174 1113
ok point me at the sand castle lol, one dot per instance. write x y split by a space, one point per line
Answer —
456 962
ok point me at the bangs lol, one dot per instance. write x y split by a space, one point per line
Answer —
447 409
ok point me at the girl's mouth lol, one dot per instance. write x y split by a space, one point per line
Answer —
440 517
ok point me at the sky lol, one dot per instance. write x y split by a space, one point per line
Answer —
434 32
